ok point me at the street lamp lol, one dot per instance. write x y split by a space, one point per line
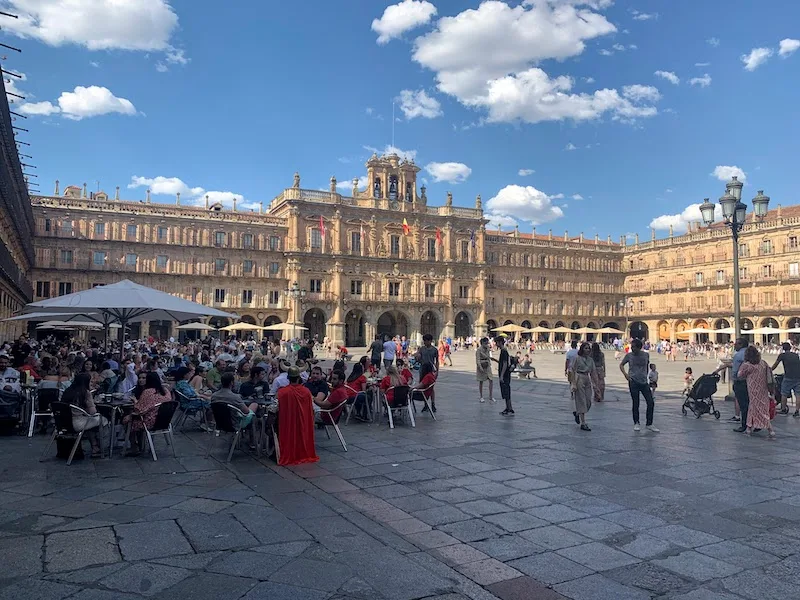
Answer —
734 213
295 294
626 307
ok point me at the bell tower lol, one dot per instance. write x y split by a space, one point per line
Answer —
392 178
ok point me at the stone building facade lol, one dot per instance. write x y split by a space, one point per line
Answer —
384 261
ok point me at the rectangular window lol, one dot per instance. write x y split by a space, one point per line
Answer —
794 269
509 304
131 232
247 267
766 270
130 260
247 296
793 242
527 282
219 239
316 238
394 245
679 302
766 247
161 261
274 243
463 291
315 286
47 224
394 288
274 296
66 227
100 229
66 257
248 241
274 268
64 288
768 298
464 250
430 290
98 258
744 250
432 248
356 287
745 299
162 233
794 297
219 295
742 272
43 289
355 241
698 278
720 276
490 279
219 265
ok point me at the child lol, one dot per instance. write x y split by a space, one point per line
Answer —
652 379
688 381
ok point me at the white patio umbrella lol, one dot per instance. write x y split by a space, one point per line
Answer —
538 329
196 327
728 330
611 330
510 328
564 330
766 330
793 330
585 330
125 302
75 325
242 327
45 316
283 327
698 330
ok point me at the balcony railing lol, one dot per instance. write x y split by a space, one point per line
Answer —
385 297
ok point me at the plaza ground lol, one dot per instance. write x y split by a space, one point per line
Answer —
472 506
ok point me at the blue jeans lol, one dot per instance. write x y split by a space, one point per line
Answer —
637 388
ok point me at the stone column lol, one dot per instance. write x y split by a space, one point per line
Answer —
335 327
448 241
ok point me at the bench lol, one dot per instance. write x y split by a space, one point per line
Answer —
520 371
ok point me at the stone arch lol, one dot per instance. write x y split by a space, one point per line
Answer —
392 323
354 328
463 323
161 330
702 324
248 319
639 330
770 338
575 325
429 324
680 327
508 322
219 322
527 325
314 321
491 324
272 320
722 338
664 331
559 337
793 323
746 325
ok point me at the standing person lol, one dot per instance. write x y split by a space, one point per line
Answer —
428 354
569 358
791 377
375 349
483 368
638 361
504 375
740 385
296 422
758 378
652 379
688 380
582 368
599 373
389 353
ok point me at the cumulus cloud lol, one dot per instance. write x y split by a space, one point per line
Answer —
577 197
724 173
39 108
525 172
347 185
451 172
703 81
640 16
755 58
681 220
389 149
168 186
498 221
418 104
81 103
402 17
702 64
570 147
95 24
669 76
641 93
713 42
525 203
788 46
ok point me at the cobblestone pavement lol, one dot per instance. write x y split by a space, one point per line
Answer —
473 505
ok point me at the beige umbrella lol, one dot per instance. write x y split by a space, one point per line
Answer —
585 330
538 329
196 327
765 330
564 330
611 330
698 330
283 327
728 330
510 328
242 327
793 330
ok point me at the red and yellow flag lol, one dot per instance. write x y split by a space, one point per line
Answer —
439 237
406 228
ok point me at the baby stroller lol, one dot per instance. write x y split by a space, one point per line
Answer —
414 364
699 399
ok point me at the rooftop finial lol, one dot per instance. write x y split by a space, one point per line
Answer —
478 202
333 185
56 192
178 198
84 190
206 201
116 194
296 183
147 197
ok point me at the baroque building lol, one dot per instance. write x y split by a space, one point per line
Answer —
385 261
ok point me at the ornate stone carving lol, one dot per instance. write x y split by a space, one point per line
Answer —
296 183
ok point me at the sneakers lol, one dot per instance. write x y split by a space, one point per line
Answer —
653 428
493 400
735 418
636 427
482 400
507 412
796 413
585 427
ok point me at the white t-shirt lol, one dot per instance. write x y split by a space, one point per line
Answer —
571 355
389 350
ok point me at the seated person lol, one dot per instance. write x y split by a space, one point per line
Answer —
226 394
247 388
282 380
427 378
31 367
148 393
405 372
78 394
214 375
392 380
317 385
356 387
192 399
336 399
295 422
108 379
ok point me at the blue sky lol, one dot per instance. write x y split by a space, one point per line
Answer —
234 99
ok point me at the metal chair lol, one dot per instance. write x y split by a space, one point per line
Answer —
62 414
351 403
401 402
162 426
227 419
327 419
420 395
41 405
186 412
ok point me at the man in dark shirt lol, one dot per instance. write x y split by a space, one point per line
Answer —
317 385
20 351
504 374
375 349
306 351
428 354
638 362
791 377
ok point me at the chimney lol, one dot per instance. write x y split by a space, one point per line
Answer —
147 197
178 198
116 194
84 190
56 192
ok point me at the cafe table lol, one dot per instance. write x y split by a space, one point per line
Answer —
111 405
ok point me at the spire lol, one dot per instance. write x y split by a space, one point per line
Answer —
56 192
478 202
116 194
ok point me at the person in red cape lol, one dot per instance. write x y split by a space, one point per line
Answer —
296 422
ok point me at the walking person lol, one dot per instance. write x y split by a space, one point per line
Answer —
582 370
740 385
758 378
483 368
791 377
638 362
389 353
504 375
599 373
375 349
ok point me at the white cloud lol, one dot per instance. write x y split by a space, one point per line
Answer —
605 52
669 76
570 146
633 47
576 197
497 221
588 79
724 173
703 81
756 58
94 64
93 101
168 186
640 16
419 104
525 203
389 149
176 56
452 172
39 108
619 47
402 17
788 46
681 220
668 191
347 184
703 64
641 93
713 42
95 24
161 67
525 172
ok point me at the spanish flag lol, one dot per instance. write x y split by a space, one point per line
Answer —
406 228
439 237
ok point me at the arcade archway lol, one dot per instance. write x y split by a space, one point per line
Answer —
639 330
429 325
218 322
722 338
354 329
663 331
392 323
559 337
527 325
272 320
314 321
463 325
575 336
248 319
681 327
490 325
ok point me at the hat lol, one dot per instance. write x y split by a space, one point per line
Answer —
284 365
293 372
301 364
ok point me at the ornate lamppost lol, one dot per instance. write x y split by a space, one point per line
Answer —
295 294
734 214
